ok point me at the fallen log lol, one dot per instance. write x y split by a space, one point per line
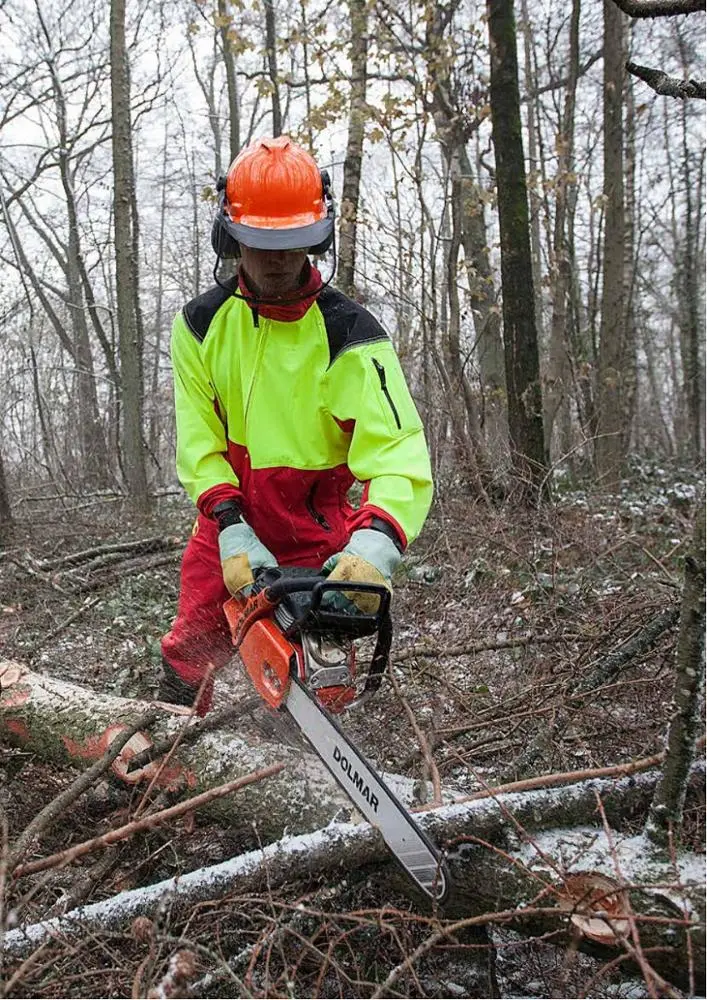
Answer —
64 723
508 855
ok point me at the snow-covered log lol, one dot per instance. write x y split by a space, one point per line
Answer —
65 723
494 867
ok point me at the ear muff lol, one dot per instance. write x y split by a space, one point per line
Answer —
226 247
221 240
321 248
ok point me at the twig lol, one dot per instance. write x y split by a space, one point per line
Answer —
61 803
115 577
642 642
146 823
422 740
561 778
179 738
86 606
471 649
88 881
142 545
450 931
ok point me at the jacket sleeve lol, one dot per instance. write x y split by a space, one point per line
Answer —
201 435
368 395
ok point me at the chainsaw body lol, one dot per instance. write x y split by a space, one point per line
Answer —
298 635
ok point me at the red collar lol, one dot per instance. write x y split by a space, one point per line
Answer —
291 311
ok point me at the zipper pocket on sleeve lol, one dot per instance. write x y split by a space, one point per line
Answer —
386 392
313 512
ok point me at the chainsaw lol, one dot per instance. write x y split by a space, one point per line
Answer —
296 634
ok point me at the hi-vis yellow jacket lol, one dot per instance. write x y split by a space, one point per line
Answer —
284 416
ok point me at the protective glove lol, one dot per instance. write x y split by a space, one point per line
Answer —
369 557
242 553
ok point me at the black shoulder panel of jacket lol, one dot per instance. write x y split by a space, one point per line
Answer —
347 323
199 312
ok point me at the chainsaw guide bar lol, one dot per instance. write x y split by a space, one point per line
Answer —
296 637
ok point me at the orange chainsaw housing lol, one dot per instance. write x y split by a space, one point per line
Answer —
268 656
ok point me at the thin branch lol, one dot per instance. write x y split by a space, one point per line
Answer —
423 742
147 823
668 86
84 781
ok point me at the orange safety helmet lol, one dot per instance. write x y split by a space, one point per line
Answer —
274 198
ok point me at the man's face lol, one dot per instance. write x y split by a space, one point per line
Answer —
274 274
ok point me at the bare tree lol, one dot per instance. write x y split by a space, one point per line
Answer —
525 422
5 509
557 387
358 56
611 416
226 32
131 364
272 71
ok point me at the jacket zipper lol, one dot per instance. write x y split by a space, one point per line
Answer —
381 375
313 512
260 347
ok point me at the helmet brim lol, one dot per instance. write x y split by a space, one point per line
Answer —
297 238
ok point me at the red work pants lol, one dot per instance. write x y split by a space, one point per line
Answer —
200 636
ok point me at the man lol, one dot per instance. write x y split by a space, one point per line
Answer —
286 391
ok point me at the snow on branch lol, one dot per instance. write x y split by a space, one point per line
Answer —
667 86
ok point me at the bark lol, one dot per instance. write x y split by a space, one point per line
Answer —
63 723
271 52
502 852
659 8
667 86
229 61
609 449
469 222
348 223
131 361
156 414
534 167
689 282
525 422
685 722
6 519
556 388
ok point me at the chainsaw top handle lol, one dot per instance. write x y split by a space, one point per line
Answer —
303 593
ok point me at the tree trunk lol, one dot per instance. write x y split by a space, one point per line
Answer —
64 723
492 870
689 279
557 383
610 426
131 361
271 51
535 170
358 57
685 722
525 421
6 519
229 61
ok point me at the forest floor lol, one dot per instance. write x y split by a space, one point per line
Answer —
531 604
